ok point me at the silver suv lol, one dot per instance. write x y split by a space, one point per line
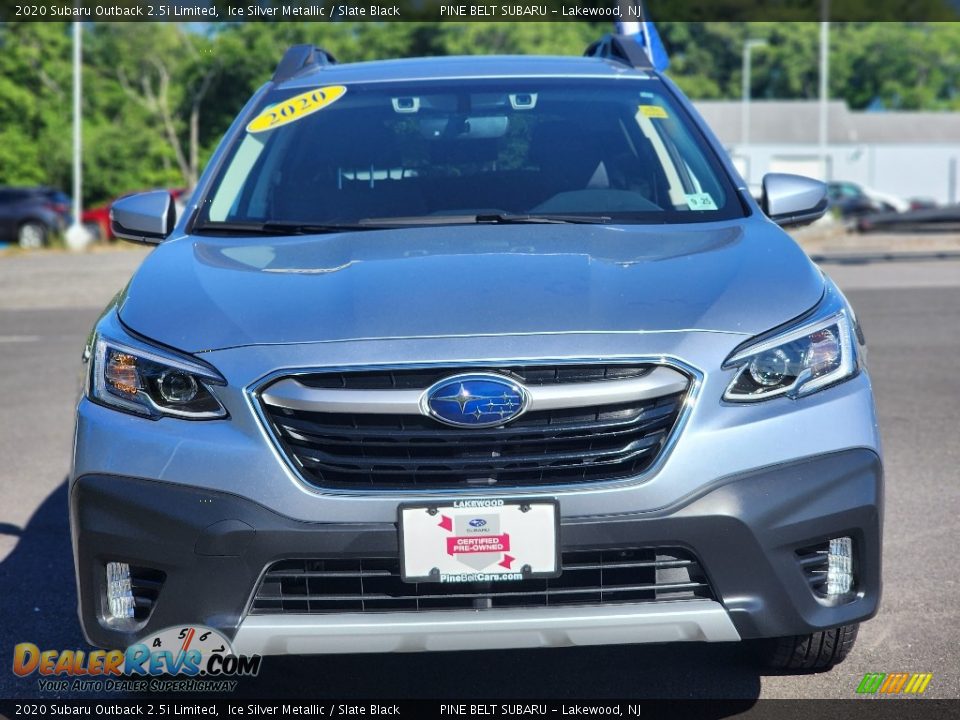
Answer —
487 352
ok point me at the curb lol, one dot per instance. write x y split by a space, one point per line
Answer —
857 258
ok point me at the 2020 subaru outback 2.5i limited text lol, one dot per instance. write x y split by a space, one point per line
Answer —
482 352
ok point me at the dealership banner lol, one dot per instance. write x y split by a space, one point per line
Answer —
475 10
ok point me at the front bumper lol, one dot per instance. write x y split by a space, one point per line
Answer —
682 620
746 528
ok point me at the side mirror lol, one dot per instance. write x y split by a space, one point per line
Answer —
793 199
144 218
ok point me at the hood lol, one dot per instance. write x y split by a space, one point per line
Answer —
203 293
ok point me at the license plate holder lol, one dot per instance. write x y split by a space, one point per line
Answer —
479 540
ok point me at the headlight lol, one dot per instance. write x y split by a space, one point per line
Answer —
797 362
151 383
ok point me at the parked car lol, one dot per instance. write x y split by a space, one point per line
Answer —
486 352
97 221
854 201
30 216
936 219
97 218
923 203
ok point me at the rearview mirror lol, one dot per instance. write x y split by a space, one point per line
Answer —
144 218
464 128
793 199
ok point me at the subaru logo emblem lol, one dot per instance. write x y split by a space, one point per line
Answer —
474 400
478 522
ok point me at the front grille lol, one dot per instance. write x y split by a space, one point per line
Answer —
594 577
575 445
417 379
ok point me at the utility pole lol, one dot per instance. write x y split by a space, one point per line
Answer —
824 87
77 236
748 47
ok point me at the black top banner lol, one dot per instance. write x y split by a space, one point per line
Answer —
357 709
479 10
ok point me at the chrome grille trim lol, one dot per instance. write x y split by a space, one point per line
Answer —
291 394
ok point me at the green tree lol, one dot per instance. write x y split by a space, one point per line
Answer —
35 101
907 66
165 85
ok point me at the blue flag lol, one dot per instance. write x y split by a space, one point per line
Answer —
645 34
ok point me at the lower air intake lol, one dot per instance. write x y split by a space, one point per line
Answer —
595 577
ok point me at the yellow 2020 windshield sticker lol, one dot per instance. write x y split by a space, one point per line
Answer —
296 108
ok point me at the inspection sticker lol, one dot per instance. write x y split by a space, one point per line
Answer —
700 201
296 108
654 111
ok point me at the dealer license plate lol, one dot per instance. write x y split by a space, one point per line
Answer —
479 540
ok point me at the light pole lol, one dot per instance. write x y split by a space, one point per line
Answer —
824 89
77 236
748 47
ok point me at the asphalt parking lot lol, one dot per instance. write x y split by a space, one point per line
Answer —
911 315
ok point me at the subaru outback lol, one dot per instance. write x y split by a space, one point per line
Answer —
467 353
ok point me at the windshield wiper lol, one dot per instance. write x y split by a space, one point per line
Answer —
293 228
482 219
282 228
511 218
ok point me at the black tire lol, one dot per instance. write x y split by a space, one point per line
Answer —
32 235
818 651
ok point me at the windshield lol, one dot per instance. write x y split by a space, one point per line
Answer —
492 150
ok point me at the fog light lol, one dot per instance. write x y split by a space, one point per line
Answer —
119 591
840 566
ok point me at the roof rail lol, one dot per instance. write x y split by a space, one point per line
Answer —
620 49
301 57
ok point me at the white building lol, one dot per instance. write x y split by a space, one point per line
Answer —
910 154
